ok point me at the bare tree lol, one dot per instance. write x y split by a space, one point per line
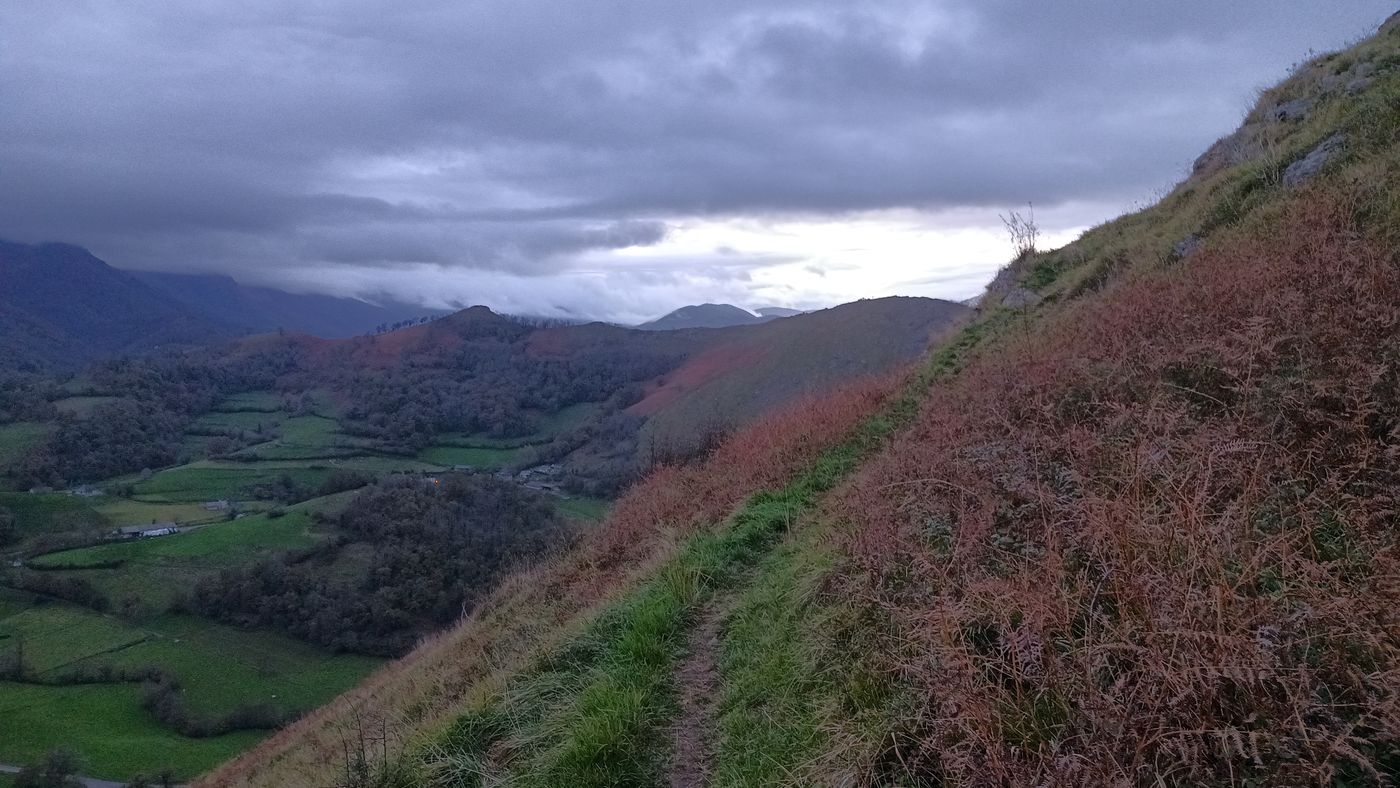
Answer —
1023 230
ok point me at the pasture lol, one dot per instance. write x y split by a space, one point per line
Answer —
17 438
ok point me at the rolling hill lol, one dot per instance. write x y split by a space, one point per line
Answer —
754 370
1132 525
246 309
703 316
61 307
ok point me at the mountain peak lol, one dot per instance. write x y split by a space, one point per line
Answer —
703 316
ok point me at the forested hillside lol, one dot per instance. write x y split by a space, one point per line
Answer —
61 308
1134 525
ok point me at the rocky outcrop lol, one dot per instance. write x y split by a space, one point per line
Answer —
1306 168
1294 110
1020 298
1391 25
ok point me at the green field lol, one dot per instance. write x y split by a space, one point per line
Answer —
82 407
476 457
590 509
308 438
17 438
235 421
106 726
259 401
156 569
125 511
51 513
219 667
209 481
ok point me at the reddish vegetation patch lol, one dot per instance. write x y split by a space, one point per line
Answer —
1159 536
548 343
428 339
701 369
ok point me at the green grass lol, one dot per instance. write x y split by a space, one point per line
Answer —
475 457
590 509
769 710
551 426
124 511
219 668
82 407
252 401
56 636
51 513
20 437
106 726
307 438
155 569
207 481
235 421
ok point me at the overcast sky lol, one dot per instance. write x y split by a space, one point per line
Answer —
616 158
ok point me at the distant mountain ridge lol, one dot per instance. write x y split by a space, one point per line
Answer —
226 301
60 307
704 316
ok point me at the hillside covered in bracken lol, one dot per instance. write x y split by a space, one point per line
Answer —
1136 524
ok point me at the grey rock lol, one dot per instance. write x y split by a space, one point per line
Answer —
1187 246
1297 109
1391 25
1363 70
1020 298
1304 169
1359 85
1330 82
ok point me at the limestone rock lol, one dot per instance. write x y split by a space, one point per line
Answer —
1297 109
1306 168
1020 298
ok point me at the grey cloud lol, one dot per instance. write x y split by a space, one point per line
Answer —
271 140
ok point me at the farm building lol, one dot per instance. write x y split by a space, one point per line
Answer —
144 531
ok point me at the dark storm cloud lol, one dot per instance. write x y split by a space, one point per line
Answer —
263 138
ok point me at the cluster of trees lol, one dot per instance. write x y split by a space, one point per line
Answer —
160 395
477 373
419 552
27 397
489 383
384 328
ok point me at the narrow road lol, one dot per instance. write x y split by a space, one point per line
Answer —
88 782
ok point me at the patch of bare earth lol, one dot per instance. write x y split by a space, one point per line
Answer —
697 684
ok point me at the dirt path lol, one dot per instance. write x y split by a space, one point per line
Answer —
697 684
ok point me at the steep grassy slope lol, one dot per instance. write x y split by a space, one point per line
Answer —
750 372
1142 532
